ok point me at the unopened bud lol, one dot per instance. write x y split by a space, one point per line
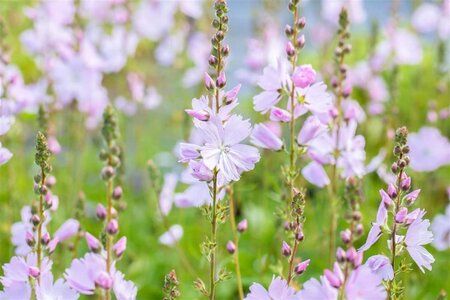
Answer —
117 193
104 280
406 183
108 172
242 225
101 212
401 215
288 30
301 267
33 271
286 249
346 236
231 247
290 50
29 239
301 23
35 220
45 239
340 255
112 227
300 43
221 80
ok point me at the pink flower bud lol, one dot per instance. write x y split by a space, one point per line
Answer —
231 247
242 226
340 255
286 249
338 272
200 115
104 280
351 254
411 197
332 279
412 216
30 239
221 80
301 41
347 90
406 183
303 76
290 50
209 82
392 191
45 239
117 193
301 267
93 243
33 271
401 215
346 236
101 212
112 227
231 95
385 198
280 115
50 181
120 246
358 259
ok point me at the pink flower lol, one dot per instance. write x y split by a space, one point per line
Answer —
315 173
279 115
65 232
200 171
278 289
441 230
311 128
375 230
172 236
5 155
380 265
316 100
417 236
222 148
263 137
431 155
47 289
364 284
272 80
167 193
315 289
303 76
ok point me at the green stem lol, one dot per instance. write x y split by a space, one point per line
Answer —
236 242
212 294
41 220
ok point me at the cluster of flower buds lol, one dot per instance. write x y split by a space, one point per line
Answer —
219 51
342 88
296 41
170 288
353 198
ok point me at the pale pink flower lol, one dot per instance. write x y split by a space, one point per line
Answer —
315 173
380 265
416 237
278 289
172 236
375 230
263 137
441 230
166 196
431 155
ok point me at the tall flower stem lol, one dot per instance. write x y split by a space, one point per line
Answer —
341 70
236 242
212 275
109 192
39 229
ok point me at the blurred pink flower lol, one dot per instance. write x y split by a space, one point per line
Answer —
416 237
441 230
431 155
278 289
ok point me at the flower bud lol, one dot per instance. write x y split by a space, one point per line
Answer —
112 227
288 30
101 212
394 168
346 236
392 191
117 193
209 82
301 23
120 246
340 255
45 239
401 215
225 50
347 90
290 50
358 259
231 95
242 226
405 149
351 254
359 229
406 183
212 60
299 236
221 80
301 267
50 181
108 172
33 271
332 279
29 239
231 247
300 42
286 249
104 280
200 115
411 197
385 198
92 242
35 220
401 163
